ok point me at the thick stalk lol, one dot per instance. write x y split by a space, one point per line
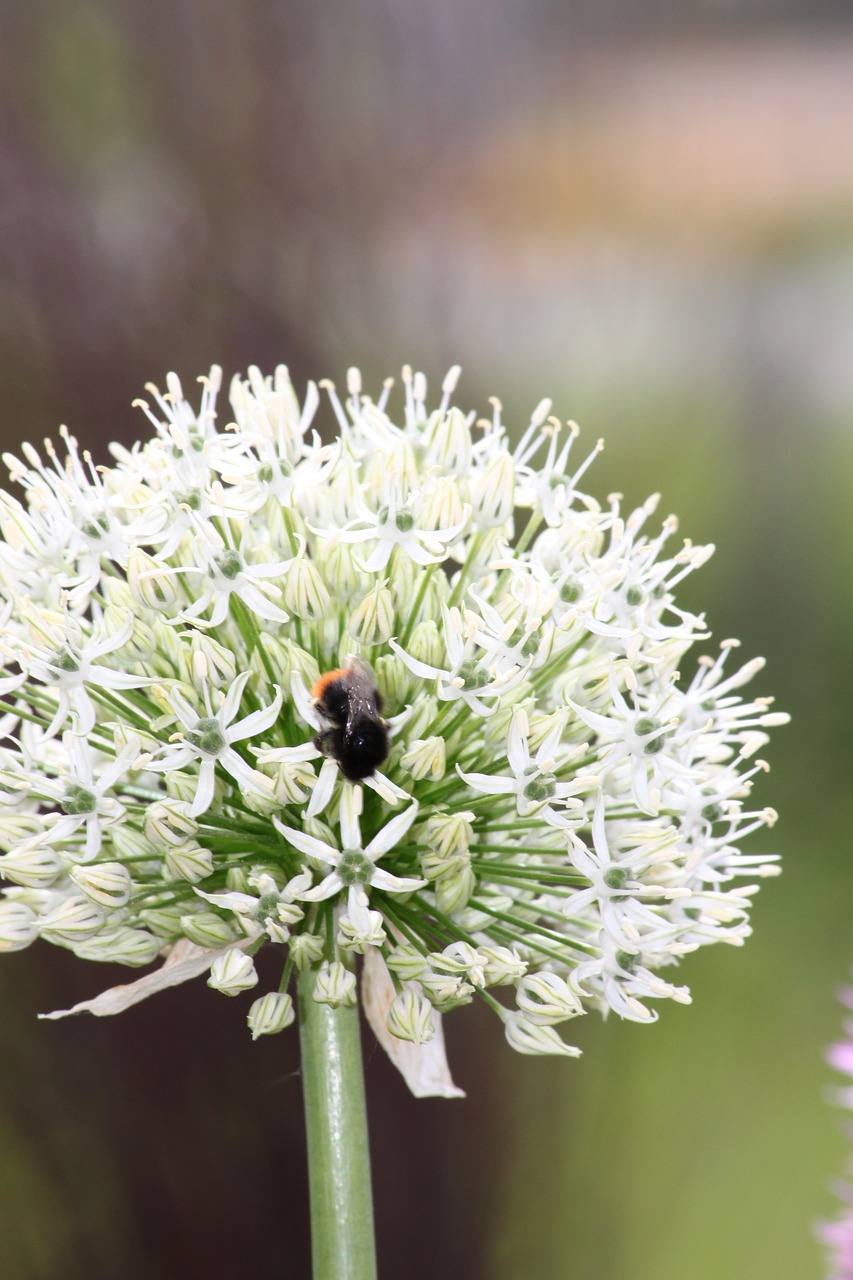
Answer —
338 1154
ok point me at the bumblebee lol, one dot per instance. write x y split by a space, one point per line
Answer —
350 706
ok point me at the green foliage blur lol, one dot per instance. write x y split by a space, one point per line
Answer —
653 224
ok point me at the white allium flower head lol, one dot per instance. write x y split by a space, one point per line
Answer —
558 791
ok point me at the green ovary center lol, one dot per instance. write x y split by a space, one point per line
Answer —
543 788
355 868
229 564
207 736
78 799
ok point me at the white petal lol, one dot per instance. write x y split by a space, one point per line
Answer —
384 880
230 901
327 888
232 701
417 667
385 788
258 721
287 755
392 832
304 702
204 790
308 844
322 793
492 785
352 802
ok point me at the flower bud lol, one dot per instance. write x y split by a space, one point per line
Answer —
232 973
207 929
123 945
168 824
406 962
132 845
502 966
446 991
449 834
545 998
403 575
36 865
442 508
271 1014
335 985
411 1018
342 573
453 889
450 446
18 925
374 620
492 495
150 586
425 758
352 938
306 949
189 862
237 880
456 959
165 922
531 1038
74 920
426 645
220 664
393 679
305 592
18 828
292 782
141 645
181 785
108 884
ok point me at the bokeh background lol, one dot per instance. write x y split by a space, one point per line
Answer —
645 212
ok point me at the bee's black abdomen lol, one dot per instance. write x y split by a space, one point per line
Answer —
363 749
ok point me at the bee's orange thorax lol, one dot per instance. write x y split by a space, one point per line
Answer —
329 677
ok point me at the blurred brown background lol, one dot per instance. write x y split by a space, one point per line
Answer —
645 212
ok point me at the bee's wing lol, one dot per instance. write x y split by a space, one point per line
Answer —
361 692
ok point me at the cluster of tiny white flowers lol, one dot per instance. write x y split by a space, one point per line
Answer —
560 813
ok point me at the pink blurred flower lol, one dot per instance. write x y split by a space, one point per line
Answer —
838 1235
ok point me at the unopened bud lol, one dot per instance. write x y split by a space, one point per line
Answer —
109 884
306 949
411 1018
425 758
374 620
531 1038
335 985
207 929
132 947
189 862
271 1014
74 920
18 925
545 998
36 866
232 973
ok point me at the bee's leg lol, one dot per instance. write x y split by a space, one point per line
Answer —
324 741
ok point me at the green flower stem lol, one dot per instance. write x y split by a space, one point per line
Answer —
336 1125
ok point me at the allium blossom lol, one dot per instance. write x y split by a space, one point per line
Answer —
560 813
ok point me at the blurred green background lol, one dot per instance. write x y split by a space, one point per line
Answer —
647 216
